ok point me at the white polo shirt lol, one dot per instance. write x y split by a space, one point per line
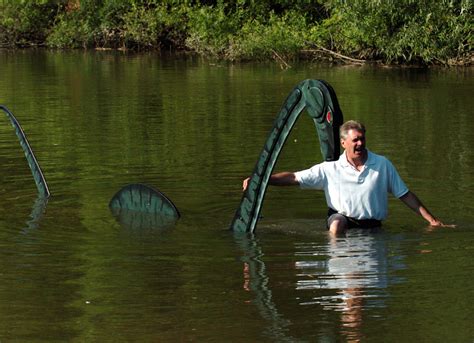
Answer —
357 194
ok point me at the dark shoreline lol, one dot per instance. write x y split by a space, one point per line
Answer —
303 57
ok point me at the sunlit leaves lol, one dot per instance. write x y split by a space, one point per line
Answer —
408 31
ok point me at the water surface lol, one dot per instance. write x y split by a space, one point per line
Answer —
194 129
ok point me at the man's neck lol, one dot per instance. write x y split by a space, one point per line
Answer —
358 162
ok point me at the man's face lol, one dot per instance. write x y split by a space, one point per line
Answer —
354 144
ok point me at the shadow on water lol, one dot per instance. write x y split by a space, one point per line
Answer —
343 275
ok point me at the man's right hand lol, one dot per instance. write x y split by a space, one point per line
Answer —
245 184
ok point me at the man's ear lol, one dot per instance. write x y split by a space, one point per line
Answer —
342 143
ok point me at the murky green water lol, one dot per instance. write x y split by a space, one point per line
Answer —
97 121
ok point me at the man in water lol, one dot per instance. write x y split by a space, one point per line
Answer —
356 186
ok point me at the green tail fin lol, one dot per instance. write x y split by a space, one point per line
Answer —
30 156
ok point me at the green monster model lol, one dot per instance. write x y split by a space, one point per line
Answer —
320 101
139 205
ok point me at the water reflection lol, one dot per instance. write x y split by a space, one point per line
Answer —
348 275
139 221
39 207
344 275
100 120
256 280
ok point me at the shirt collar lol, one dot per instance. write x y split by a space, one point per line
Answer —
343 159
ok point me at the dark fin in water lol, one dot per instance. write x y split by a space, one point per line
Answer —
30 156
140 206
320 100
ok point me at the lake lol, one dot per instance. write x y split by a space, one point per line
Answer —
194 129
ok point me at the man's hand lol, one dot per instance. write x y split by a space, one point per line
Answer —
437 223
412 201
245 184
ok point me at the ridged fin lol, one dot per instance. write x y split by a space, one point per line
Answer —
30 156
140 206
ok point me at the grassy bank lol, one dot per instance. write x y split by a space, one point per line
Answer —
393 32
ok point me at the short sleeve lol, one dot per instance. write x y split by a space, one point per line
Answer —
396 185
312 178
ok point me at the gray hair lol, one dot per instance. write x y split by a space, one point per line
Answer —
350 125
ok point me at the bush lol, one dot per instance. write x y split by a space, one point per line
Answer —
26 24
258 40
130 24
76 26
408 31
210 29
422 31
156 26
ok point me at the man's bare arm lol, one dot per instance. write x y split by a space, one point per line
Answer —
278 179
283 179
412 201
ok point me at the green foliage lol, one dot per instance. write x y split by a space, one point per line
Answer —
154 26
211 29
283 35
421 31
406 31
25 24
122 23
74 29
244 30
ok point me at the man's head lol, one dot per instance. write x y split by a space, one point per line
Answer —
350 125
353 139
